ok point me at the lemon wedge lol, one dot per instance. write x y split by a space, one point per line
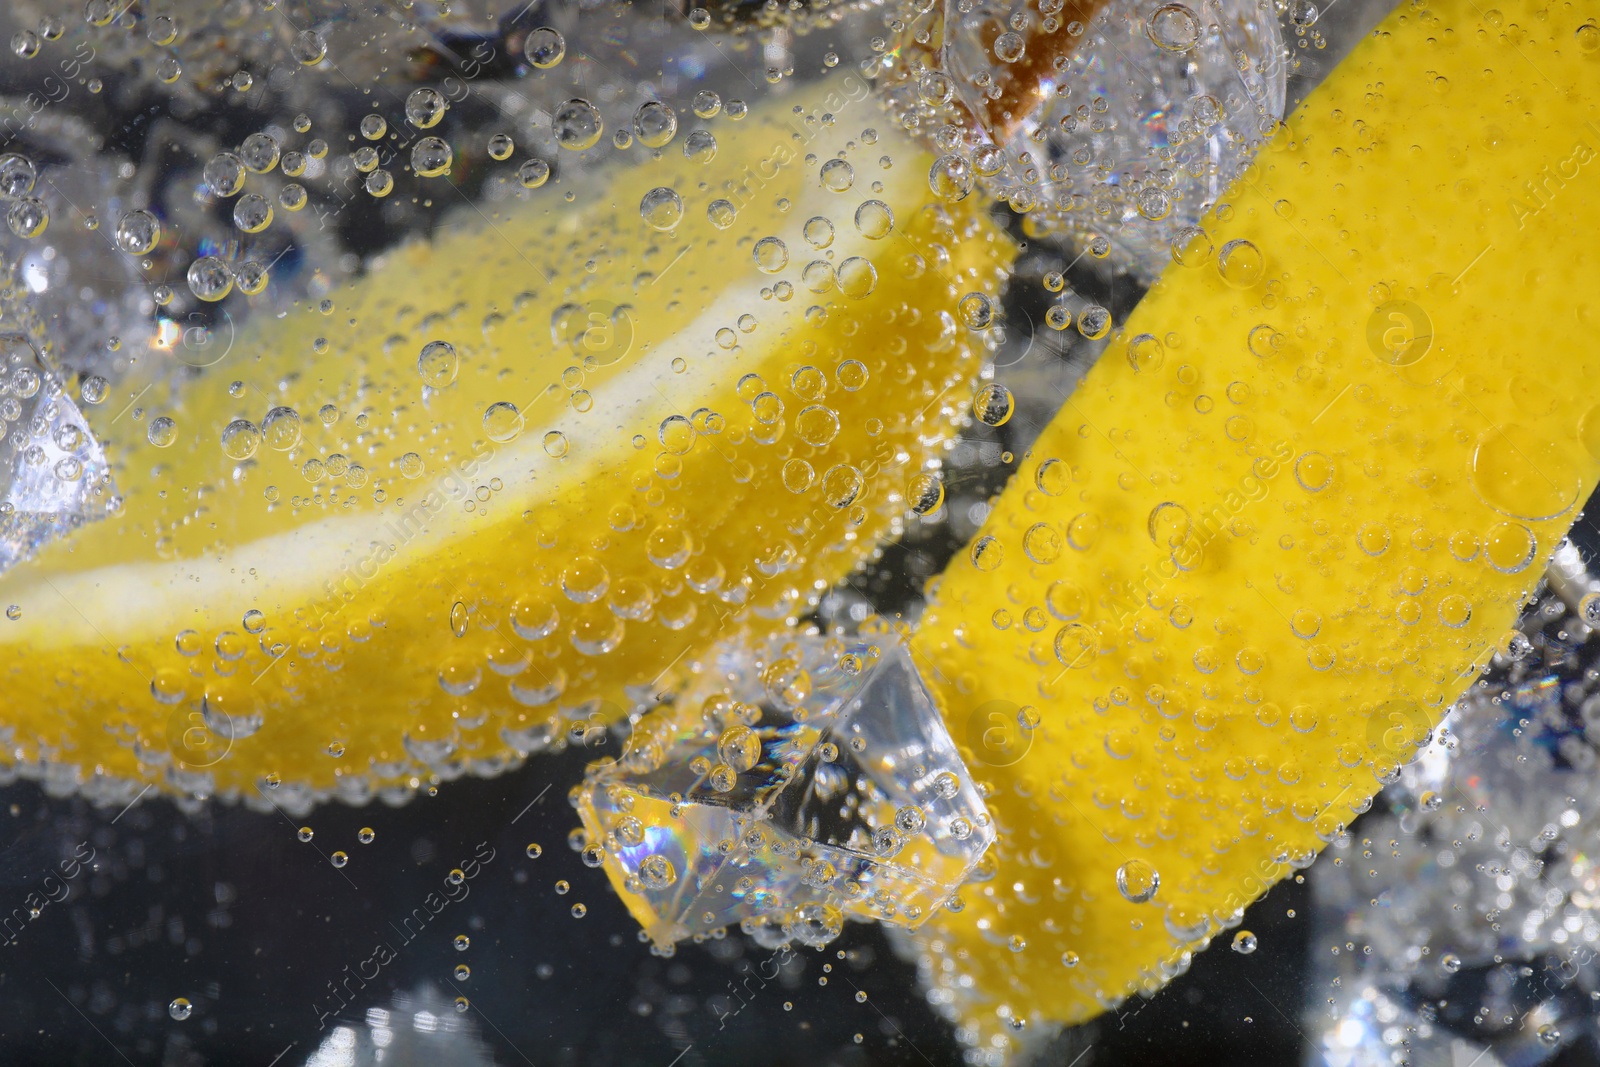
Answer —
1286 518
505 480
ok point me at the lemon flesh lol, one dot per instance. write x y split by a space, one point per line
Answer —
426 566
1285 520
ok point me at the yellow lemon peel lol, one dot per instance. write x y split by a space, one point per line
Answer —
1302 497
640 436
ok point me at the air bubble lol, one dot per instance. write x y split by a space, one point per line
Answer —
661 208
425 107
577 125
1137 881
544 47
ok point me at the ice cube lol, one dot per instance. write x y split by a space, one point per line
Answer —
1118 123
792 786
53 473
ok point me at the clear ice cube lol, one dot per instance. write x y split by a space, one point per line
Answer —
790 787
53 472
1123 119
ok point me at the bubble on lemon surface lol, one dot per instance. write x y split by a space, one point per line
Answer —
655 123
874 220
1137 881
281 428
857 278
818 232
661 208
951 178
1191 247
976 311
1042 543
986 553
1241 264
577 125
240 439
700 147
771 255
163 432
1520 473
837 175
993 404
502 421
1314 471
1509 547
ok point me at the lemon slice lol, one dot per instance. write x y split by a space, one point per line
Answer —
508 478
1284 521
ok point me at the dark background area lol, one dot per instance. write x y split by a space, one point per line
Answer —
229 909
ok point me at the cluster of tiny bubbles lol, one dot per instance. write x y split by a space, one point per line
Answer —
27 216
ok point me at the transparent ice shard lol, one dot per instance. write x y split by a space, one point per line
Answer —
1122 120
53 473
1478 927
790 787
